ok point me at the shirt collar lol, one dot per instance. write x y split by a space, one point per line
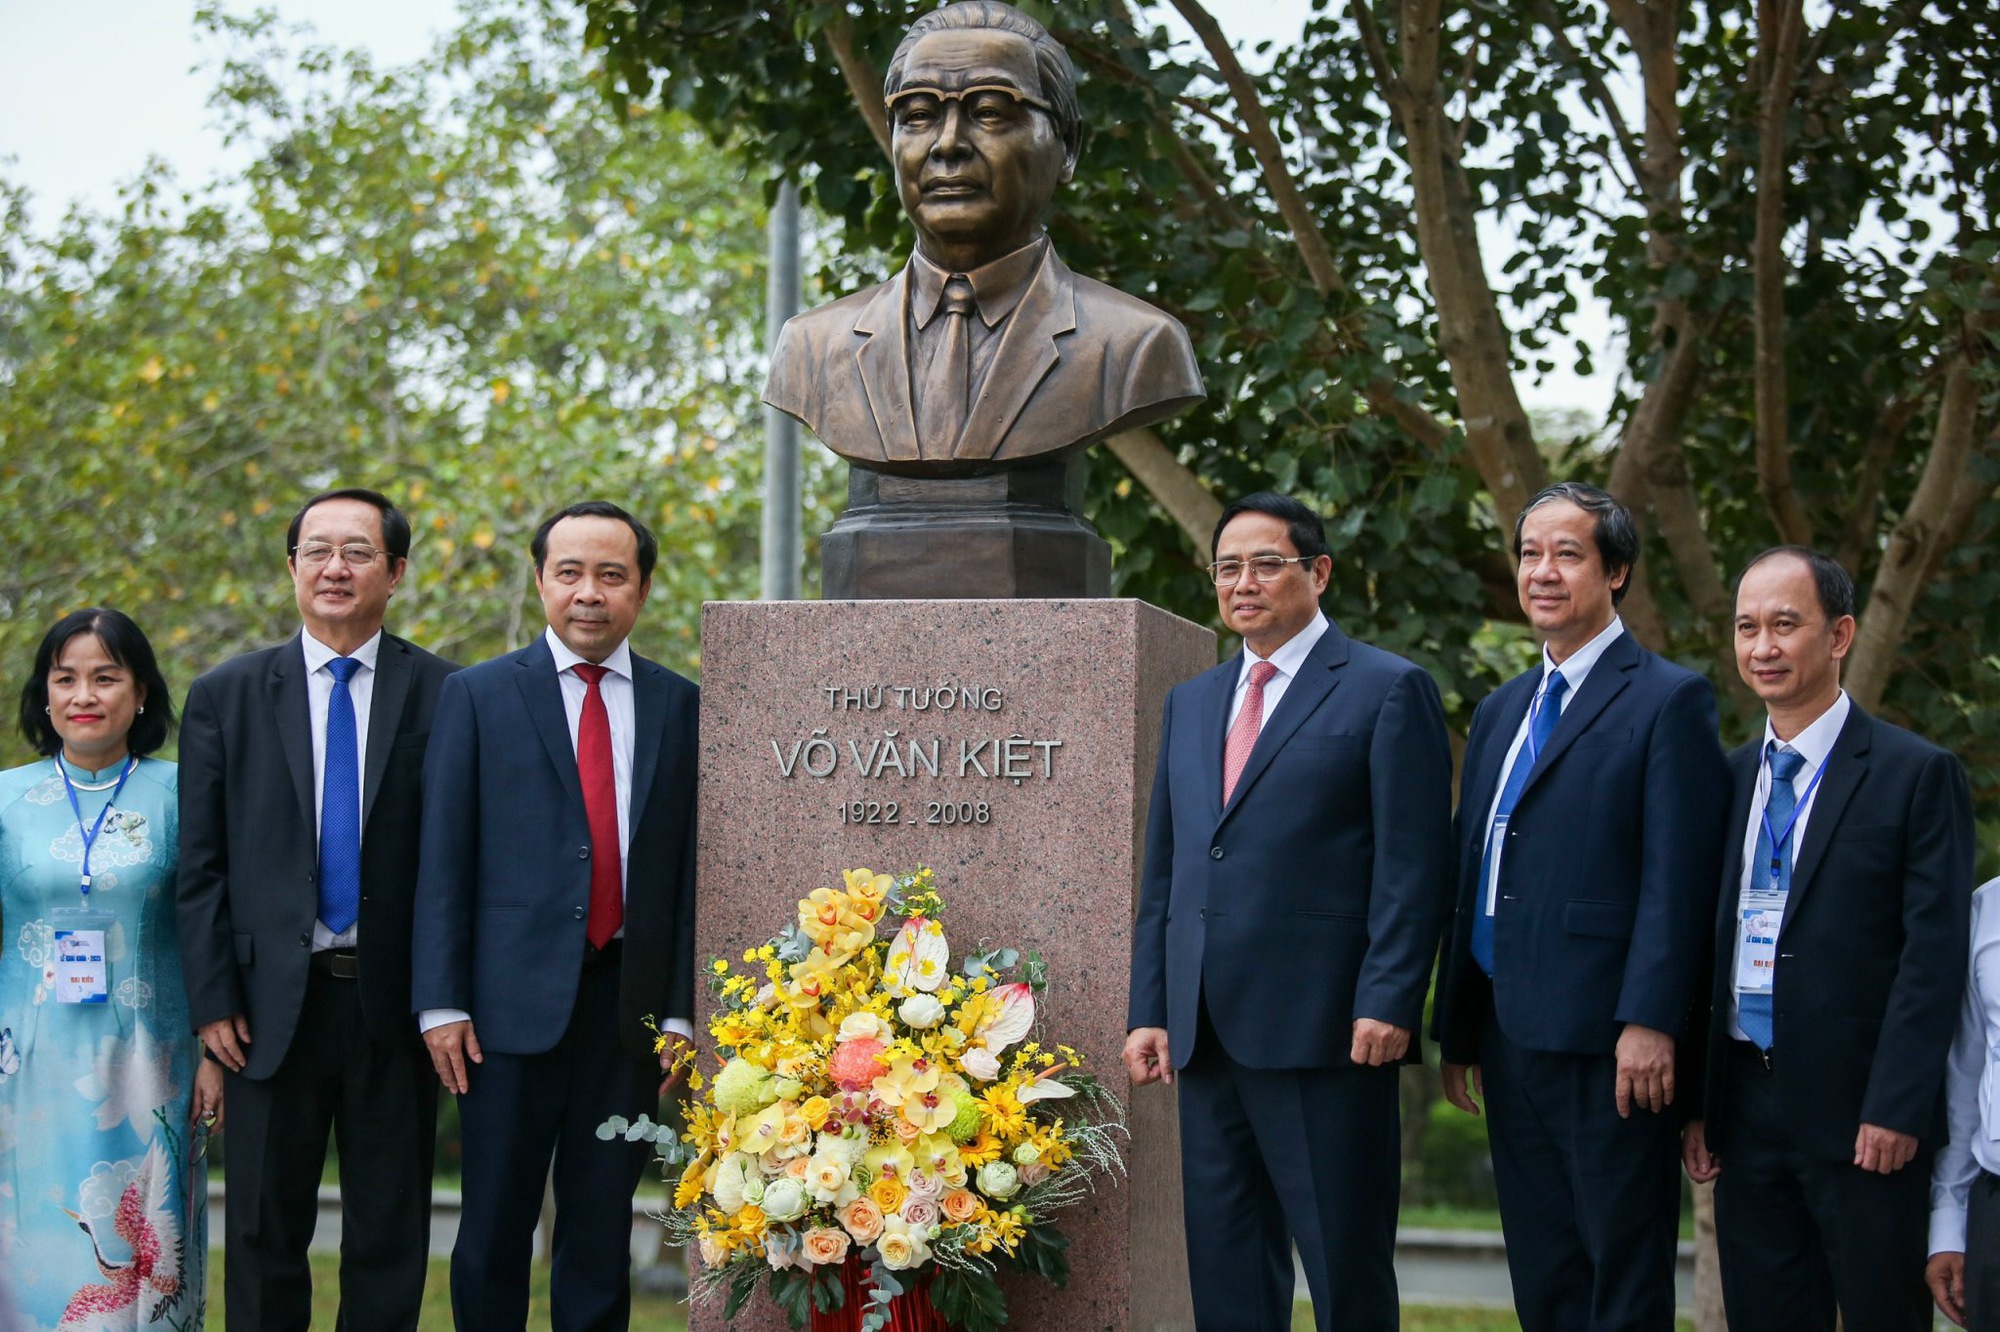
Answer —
1291 655
618 663
1815 742
996 287
1578 663
319 654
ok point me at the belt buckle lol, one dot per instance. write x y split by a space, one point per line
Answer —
343 965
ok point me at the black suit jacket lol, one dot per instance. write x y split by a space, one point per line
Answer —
1608 877
1316 897
1872 952
504 893
249 849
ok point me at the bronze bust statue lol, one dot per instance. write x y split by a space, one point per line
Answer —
965 389
985 349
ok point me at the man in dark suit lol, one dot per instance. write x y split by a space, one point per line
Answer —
985 347
555 917
1840 963
1589 834
301 795
1297 876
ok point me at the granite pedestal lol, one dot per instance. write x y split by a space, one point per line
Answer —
1040 721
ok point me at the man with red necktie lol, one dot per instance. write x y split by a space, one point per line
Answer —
1298 874
555 914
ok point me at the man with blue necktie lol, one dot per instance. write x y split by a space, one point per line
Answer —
1840 956
1589 832
301 794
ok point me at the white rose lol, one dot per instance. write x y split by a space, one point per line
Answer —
921 1011
999 1180
982 1064
784 1200
901 1244
827 1175
732 1173
856 1025
1027 1154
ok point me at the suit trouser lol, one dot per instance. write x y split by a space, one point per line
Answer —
379 1100
1982 1255
1590 1202
1798 1237
520 1111
1273 1157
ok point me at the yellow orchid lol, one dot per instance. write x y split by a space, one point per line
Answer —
908 1076
889 1159
930 1111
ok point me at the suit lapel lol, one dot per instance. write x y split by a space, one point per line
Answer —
1217 690
1317 677
292 706
541 694
1027 351
1481 783
649 718
1846 765
1743 793
883 361
1606 680
385 715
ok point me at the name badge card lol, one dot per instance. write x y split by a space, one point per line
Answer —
1758 921
1497 842
82 976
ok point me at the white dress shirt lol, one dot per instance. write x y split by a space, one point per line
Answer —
1971 1082
1575 667
1813 744
319 697
620 708
1288 659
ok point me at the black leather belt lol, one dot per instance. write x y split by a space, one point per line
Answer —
339 963
1749 1050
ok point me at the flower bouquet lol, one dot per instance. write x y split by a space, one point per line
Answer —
881 1124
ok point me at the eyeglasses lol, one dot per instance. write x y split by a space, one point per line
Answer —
316 554
1265 568
985 104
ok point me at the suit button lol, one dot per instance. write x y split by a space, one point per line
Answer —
583 853
1202 914
578 913
305 941
1215 853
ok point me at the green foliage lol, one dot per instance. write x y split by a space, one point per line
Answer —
471 282
969 1298
1043 1250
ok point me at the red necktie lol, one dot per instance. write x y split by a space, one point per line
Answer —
1243 735
600 807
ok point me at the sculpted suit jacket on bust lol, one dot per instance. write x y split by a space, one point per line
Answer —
1872 950
1077 361
504 892
1607 882
1317 897
250 841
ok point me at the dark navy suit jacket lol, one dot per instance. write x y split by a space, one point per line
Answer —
1317 897
1872 952
1608 877
503 890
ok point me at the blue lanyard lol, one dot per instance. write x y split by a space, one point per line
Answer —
1782 835
90 837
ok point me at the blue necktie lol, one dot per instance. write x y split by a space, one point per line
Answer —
1542 720
1753 1011
340 806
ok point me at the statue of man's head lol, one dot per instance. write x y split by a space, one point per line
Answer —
982 106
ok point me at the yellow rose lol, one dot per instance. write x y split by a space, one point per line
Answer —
824 1246
814 1110
862 1219
887 1193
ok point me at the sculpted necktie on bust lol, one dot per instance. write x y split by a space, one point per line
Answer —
600 807
340 806
944 391
1243 734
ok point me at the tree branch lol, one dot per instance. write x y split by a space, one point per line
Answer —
1270 155
1782 24
1925 532
1600 93
864 81
1386 82
1173 487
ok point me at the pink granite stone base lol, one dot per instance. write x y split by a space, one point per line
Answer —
1054 868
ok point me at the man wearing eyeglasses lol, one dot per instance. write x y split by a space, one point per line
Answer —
1590 829
301 793
985 347
1297 878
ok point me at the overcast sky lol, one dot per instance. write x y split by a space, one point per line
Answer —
90 89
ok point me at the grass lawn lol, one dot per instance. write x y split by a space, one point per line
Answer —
655 1314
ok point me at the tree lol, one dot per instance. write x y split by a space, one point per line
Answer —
472 282
1790 221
